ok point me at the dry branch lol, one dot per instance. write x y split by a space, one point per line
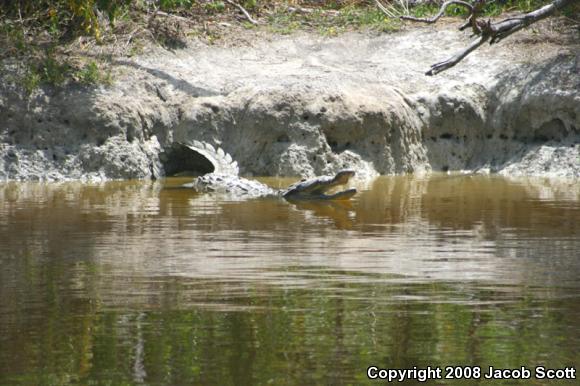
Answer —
440 13
243 10
486 30
391 11
504 28
444 65
165 14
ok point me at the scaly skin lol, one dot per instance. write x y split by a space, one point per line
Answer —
315 188
232 186
224 180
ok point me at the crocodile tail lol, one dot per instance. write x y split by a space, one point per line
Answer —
222 162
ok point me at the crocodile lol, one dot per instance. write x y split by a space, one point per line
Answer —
222 176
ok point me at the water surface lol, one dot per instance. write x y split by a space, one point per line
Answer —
143 283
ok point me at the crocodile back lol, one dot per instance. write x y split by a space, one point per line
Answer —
221 161
233 187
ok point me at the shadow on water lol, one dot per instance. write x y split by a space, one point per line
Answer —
142 283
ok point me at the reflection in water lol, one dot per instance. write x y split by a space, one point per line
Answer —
145 283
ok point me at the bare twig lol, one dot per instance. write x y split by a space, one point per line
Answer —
440 13
21 21
308 11
300 9
165 14
388 10
446 64
131 34
243 10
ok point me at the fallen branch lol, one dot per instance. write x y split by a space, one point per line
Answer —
440 13
504 28
389 10
486 30
444 65
243 10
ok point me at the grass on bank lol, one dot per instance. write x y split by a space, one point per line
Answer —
53 42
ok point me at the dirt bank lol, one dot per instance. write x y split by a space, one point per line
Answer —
306 105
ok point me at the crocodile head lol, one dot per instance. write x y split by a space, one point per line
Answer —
317 188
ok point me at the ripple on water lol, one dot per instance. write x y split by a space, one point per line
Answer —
418 270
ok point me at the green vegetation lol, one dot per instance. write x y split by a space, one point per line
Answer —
491 9
276 336
92 74
331 22
57 41
38 36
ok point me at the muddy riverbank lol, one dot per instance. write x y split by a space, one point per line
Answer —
308 105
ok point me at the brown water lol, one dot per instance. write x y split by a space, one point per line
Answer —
143 283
